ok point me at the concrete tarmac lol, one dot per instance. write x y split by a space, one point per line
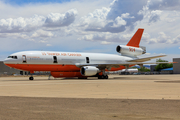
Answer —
117 87
120 97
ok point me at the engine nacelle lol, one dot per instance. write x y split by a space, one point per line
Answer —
130 51
89 70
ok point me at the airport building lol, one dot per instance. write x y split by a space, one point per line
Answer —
167 71
152 68
176 66
5 70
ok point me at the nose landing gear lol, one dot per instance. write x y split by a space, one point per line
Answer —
31 78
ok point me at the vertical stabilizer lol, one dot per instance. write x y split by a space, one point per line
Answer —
135 40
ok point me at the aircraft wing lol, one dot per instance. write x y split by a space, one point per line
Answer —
109 66
138 61
146 58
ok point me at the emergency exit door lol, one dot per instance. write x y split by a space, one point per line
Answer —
87 59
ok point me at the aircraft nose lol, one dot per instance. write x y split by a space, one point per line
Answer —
5 61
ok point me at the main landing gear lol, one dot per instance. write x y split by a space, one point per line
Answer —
103 77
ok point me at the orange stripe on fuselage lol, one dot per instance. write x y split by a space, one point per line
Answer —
63 68
41 67
67 74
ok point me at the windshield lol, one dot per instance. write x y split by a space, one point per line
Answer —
14 57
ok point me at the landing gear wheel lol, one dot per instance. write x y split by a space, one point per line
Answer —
82 77
106 77
103 77
99 77
31 78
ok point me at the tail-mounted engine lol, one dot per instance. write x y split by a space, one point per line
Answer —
130 51
89 70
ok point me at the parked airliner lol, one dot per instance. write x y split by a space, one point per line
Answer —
81 65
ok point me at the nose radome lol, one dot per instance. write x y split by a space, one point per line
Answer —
5 61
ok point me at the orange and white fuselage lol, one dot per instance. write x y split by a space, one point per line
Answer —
74 64
61 64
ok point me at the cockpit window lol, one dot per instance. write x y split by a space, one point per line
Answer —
14 57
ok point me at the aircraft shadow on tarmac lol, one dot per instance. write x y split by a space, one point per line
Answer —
132 78
56 79
25 80
66 79
174 81
94 78
62 79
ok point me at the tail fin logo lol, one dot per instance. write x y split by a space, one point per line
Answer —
132 49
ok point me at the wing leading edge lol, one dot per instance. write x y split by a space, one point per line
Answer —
139 61
146 58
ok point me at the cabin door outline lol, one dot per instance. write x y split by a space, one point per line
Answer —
87 60
55 59
24 60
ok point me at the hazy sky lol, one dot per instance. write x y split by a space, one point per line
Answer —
89 26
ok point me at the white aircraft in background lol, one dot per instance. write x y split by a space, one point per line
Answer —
129 70
81 65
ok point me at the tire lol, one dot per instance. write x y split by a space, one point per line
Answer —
103 77
106 77
82 77
31 78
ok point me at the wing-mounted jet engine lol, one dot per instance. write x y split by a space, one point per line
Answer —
89 70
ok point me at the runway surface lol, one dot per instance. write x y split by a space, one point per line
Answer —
120 97
117 87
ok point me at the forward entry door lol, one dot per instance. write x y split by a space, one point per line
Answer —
24 59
